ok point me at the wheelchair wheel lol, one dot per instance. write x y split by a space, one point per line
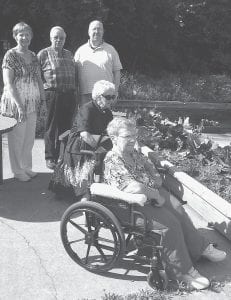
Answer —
157 279
92 236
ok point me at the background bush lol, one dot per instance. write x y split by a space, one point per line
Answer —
151 36
170 50
184 87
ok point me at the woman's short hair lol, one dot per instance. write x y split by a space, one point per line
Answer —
21 26
101 87
119 123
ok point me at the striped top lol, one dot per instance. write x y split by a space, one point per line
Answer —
25 80
58 71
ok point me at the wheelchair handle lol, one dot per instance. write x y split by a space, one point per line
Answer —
88 152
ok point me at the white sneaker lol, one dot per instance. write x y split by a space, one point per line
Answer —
31 173
214 254
22 177
194 280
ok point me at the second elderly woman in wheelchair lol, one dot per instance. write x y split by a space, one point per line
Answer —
131 206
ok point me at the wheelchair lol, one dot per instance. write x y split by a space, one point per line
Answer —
98 232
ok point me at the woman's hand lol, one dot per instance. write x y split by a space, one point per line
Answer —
141 200
21 114
158 181
159 200
88 138
135 187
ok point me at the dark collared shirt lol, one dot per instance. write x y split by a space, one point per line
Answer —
58 71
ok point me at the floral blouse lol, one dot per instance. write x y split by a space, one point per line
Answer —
118 173
25 80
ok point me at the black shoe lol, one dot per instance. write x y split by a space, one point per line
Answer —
50 164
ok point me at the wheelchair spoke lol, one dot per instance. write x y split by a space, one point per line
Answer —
92 236
78 227
101 252
76 241
87 255
105 240
105 247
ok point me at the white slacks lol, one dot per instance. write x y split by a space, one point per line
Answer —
20 144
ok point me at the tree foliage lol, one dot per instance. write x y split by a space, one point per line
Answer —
150 35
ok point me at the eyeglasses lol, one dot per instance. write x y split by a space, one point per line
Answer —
109 97
128 137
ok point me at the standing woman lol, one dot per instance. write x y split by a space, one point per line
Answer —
23 90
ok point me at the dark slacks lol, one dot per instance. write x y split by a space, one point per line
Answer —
183 245
60 109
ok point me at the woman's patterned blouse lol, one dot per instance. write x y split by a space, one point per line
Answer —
25 80
118 173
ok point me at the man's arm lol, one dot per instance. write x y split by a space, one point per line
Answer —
116 75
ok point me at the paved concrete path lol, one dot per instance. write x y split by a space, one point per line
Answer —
34 264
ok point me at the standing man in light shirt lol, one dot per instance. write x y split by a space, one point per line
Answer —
59 77
96 60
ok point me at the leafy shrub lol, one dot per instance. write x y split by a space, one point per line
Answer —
183 87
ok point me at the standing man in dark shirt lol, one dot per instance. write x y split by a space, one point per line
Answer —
59 77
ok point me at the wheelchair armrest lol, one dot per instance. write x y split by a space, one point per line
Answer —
105 190
64 135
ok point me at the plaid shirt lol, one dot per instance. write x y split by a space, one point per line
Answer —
57 72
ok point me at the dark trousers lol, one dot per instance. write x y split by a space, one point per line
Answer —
60 110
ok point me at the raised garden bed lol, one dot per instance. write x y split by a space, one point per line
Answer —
195 110
203 160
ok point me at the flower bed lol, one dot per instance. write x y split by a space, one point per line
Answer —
183 146
209 166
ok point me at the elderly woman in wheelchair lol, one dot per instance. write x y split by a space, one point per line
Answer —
87 133
131 207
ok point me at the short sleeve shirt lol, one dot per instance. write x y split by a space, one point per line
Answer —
96 64
120 174
57 71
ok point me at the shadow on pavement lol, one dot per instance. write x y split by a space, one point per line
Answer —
217 272
31 201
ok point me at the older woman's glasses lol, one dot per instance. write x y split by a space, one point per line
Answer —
109 97
128 137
